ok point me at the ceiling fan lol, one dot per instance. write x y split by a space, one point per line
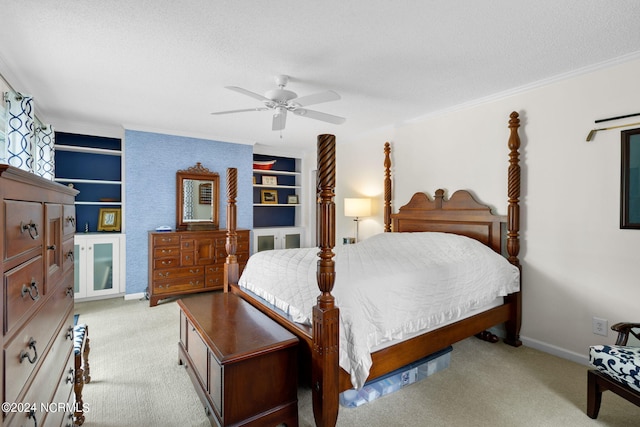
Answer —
282 101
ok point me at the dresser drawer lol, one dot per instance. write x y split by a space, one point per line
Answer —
187 244
68 220
175 273
23 228
241 248
24 292
51 377
178 285
169 239
166 251
67 255
167 262
60 417
40 329
214 276
187 258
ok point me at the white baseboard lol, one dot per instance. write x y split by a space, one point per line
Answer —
101 297
582 359
139 295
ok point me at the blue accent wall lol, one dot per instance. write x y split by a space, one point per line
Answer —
151 162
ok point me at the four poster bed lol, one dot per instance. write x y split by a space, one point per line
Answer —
320 339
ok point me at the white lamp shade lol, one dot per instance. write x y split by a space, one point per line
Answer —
357 207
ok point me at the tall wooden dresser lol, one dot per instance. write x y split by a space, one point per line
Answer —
185 262
38 224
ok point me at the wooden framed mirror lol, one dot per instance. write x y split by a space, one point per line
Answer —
197 196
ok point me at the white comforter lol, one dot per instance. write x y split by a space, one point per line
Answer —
387 287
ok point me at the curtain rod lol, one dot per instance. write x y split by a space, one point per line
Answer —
593 131
617 117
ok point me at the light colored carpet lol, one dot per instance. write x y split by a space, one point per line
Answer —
136 381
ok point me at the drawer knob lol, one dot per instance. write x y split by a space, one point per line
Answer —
70 256
31 228
29 290
69 292
25 355
71 220
51 248
69 334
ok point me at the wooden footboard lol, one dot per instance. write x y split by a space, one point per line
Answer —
461 214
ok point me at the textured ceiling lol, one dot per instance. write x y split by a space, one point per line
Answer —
162 65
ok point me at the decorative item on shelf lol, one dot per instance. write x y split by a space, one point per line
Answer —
263 165
292 199
109 219
269 180
357 207
269 197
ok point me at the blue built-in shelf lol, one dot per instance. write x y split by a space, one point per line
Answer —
93 165
278 185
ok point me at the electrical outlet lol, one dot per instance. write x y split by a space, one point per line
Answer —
600 326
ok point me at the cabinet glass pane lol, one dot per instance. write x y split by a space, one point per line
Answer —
76 268
291 241
266 243
102 266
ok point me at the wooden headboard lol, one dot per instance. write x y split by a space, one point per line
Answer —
461 214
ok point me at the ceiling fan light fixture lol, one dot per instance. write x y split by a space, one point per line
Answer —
281 101
280 95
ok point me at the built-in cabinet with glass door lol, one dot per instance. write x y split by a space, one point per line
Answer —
265 239
93 165
277 193
97 259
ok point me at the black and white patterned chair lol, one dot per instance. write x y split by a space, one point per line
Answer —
617 368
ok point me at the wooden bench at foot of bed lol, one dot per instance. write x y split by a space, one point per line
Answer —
242 364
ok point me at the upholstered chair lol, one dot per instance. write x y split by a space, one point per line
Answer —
617 368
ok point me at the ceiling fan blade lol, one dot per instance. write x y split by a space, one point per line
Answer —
248 93
316 98
317 115
241 111
279 120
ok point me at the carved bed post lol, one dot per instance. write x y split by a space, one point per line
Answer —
231 268
387 188
324 365
513 228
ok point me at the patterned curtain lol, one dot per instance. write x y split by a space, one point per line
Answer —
18 148
44 151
